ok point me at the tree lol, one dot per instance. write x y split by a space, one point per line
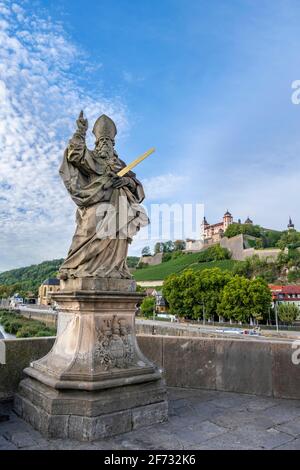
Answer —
179 291
179 245
146 251
27 279
132 261
214 253
168 246
253 267
289 237
148 306
288 312
247 229
191 292
260 298
259 244
270 238
210 285
293 275
158 247
244 298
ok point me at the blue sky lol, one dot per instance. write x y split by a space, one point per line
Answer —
208 83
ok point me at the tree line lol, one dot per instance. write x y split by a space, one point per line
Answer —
221 295
26 281
265 238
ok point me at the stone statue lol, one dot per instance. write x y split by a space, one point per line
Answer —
95 382
109 213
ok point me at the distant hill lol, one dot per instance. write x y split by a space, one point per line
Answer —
37 272
29 278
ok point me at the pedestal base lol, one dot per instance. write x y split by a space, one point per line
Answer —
87 416
95 382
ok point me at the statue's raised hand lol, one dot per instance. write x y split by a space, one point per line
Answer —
82 123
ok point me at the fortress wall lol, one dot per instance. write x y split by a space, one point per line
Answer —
270 253
151 260
236 246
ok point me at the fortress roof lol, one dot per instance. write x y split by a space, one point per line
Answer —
216 225
227 214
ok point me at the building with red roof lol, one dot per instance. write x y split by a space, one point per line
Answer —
287 293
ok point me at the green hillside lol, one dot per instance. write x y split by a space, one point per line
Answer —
36 272
161 271
29 278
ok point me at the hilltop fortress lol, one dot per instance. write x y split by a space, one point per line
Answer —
213 233
240 246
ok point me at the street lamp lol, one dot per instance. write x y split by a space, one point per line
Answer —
276 312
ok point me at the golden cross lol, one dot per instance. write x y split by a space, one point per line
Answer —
135 162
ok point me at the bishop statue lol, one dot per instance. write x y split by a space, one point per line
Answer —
109 213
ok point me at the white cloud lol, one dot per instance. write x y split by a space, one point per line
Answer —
39 102
130 78
163 186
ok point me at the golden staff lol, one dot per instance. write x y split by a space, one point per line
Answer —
135 162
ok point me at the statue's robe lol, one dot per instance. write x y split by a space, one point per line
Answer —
100 243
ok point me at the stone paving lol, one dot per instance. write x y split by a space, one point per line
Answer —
198 419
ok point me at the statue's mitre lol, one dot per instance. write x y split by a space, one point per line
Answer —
104 127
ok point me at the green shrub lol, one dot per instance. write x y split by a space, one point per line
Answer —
177 254
166 257
294 276
12 326
251 243
148 306
25 332
46 332
247 229
288 312
29 331
214 253
142 265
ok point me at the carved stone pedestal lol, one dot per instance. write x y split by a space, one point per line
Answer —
95 382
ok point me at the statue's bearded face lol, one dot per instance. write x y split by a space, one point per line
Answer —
105 147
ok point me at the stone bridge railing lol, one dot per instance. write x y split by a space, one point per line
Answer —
261 367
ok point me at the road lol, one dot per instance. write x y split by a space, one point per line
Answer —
28 308
224 330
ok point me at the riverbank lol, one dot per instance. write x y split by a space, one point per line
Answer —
15 324
4 335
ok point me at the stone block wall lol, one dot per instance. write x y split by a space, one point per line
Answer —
236 245
152 260
49 318
260 367
17 354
